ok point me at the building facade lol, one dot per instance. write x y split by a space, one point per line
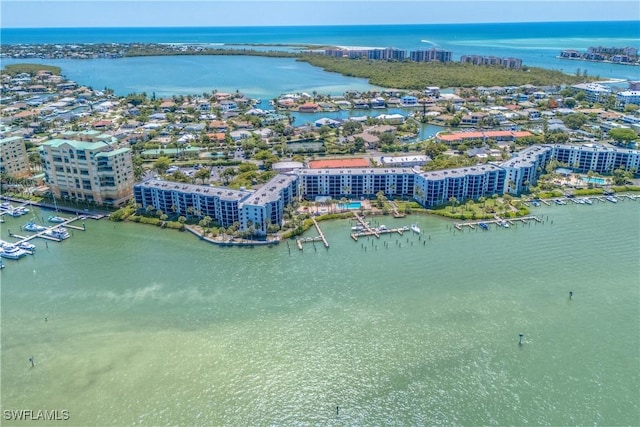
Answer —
14 160
97 172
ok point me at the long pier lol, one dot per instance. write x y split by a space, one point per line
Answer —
320 238
497 221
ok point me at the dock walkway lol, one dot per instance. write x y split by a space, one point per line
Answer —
497 221
320 238
43 234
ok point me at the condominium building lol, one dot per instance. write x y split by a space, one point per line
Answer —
14 160
98 172
438 187
221 204
266 205
628 97
356 182
596 158
524 169
250 210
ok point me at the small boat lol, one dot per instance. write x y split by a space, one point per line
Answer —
611 199
560 202
56 219
29 247
504 223
587 201
382 227
535 203
357 228
483 225
15 212
33 227
59 233
12 252
415 228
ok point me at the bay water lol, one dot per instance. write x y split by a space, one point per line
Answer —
132 325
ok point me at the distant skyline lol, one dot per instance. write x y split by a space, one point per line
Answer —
206 13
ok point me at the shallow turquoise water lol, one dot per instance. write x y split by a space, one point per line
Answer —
154 327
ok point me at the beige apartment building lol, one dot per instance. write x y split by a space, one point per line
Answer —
91 170
14 160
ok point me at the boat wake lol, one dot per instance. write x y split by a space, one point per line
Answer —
429 42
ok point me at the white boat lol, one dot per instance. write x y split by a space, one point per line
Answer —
30 247
12 252
415 228
56 219
59 233
382 227
504 223
33 227
357 228
587 201
612 199
15 212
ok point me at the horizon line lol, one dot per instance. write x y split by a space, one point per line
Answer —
321 25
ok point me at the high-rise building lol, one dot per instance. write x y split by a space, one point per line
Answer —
14 160
92 171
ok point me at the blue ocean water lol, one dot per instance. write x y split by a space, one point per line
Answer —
537 44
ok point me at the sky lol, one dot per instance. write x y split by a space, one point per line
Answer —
212 13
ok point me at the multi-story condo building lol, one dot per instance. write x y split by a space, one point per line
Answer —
628 97
221 204
98 172
584 158
266 205
524 169
356 182
430 55
594 92
514 63
438 187
14 160
254 211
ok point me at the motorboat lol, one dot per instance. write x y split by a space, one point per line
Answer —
33 227
587 201
612 199
29 247
12 252
415 228
59 233
56 219
483 225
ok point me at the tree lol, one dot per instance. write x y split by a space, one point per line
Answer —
623 135
202 174
453 201
574 121
162 164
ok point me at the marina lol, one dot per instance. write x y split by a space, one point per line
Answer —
500 222
23 246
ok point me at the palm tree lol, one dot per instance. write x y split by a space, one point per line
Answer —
454 202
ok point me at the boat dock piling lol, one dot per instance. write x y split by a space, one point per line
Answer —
320 238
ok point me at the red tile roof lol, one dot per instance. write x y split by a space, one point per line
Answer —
339 163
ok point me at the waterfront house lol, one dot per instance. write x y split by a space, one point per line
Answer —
308 107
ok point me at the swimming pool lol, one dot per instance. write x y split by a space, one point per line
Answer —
594 180
350 205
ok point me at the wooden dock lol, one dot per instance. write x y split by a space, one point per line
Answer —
394 208
43 234
499 222
320 238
